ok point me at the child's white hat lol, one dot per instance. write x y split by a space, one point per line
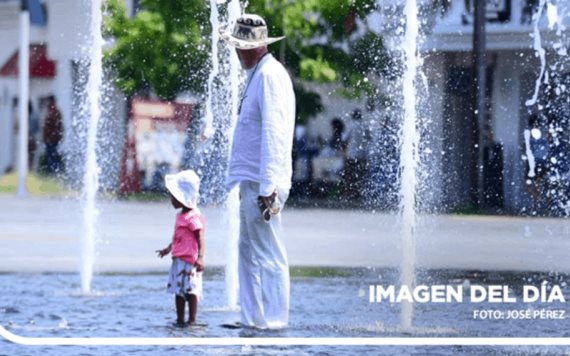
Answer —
184 186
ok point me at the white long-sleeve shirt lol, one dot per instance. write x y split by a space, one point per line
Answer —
263 137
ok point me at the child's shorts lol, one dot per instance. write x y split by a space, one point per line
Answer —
182 284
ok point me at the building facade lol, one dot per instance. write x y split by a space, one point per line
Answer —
65 39
519 87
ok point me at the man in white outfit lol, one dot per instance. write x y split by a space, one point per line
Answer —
261 163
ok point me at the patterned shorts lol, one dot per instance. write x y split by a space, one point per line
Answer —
182 284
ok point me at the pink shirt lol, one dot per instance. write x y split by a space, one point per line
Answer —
185 241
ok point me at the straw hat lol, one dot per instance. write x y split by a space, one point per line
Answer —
185 187
250 31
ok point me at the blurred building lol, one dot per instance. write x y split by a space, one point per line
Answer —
513 68
42 74
513 71
59 59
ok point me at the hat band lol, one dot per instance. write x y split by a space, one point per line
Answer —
249 34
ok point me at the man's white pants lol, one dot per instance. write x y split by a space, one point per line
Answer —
262 266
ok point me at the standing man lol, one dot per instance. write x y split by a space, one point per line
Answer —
261 163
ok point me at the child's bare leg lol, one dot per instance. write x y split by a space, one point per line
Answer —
180 306
193 308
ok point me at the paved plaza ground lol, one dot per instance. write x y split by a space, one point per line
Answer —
44 235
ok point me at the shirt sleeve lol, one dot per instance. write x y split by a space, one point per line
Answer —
273 131
195 223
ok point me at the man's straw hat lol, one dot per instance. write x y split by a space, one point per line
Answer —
250 31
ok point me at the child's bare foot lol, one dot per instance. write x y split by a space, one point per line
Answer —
179 324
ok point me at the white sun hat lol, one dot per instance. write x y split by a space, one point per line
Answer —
185 187
250 31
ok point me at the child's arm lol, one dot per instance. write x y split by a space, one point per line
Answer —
201 251
165 251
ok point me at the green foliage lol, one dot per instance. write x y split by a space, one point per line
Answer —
321 272
315 50
367 52
162 47
166 46
317 70
36 184
308 103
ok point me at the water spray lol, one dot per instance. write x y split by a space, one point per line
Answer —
91 176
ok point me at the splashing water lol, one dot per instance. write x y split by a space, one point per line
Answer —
409 158
91 176
226 60
552 15
232 203
552 113
540 52
209 115
231 268
529 154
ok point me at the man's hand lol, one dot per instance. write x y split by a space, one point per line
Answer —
268 205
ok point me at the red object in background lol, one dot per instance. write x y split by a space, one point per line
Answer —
349 23
129 181
40 65
147 113
147 116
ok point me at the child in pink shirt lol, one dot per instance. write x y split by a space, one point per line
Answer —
187 247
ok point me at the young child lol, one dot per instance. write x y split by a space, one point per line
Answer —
187 247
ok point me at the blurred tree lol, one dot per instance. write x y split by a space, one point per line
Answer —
162 48
166 47
327 41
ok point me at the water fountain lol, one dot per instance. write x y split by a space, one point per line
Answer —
218 122
91 174
409 158
232 203
208 130
229 62
549 126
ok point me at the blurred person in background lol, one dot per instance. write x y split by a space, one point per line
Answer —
52 135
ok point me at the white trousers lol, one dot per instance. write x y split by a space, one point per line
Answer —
262 266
